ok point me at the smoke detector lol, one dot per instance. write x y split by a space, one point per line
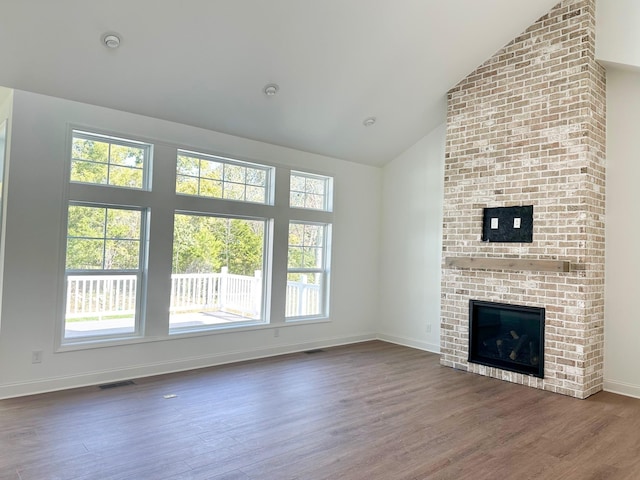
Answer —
271 89
369 121
111 40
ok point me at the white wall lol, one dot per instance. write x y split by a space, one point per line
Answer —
413 193
618 47
622 262
34 246
618 32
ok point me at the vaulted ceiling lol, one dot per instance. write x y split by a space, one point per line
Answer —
205 63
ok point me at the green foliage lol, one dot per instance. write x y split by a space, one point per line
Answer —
107 163
103 238
206 244
306 245
209 178
109 238
195 247
245 241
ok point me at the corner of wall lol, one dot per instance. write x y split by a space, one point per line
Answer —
411 243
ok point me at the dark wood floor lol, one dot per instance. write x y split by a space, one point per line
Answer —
367 411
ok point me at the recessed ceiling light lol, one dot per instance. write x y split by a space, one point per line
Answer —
369 121
111 40
271 89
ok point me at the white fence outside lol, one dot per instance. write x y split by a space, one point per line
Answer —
222 291
303 298
100 296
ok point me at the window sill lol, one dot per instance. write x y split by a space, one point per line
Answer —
190 333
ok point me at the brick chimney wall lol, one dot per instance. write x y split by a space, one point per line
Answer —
528 128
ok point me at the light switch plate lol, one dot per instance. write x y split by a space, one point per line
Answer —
507 224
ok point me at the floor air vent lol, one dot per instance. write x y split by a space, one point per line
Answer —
124 383
316 350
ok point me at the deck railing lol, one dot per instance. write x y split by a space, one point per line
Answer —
99 296
222 291
303 299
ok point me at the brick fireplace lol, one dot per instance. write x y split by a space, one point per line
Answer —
528 128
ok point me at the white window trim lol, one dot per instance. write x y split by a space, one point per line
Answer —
324 269
328 195
268 170
140 274
111 139
163 203
266 282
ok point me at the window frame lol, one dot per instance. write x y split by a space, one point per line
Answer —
139 273
323 270
327 203
114 140
105 196
161 205
265 290
269 172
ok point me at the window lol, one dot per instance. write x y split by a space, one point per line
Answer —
310 191
105 255
103 270
217 273
307 270
307 263
217 177
103 160
191 260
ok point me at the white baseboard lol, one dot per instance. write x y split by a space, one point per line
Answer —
407 342
622 388
159 368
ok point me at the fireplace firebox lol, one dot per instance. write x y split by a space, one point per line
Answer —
510 337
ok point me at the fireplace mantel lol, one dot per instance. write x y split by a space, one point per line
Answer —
508 264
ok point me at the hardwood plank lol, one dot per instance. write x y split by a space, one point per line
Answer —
367 411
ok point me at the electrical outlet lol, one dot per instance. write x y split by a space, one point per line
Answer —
428 328
276 332
36 356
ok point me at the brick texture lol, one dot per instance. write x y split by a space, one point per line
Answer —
528 128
